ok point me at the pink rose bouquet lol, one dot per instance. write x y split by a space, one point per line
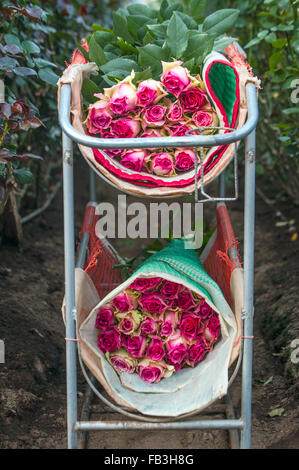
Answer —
156 327
172 106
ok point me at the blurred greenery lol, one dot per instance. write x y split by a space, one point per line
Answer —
268 30
36 38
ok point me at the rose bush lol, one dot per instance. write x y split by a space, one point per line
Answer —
156 327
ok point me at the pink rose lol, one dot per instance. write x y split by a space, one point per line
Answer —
178 130
155 350
136 345
145 284
161 163
175 77
123 98
124 302
196 353
122 361
125 127
109 340
203 119
152 303
126 325
189 326
211 329
154 116
175 112
149 326
185 299
169 324
151 133
105 317
99 117
193 99
176 349
150 372
203 310
170 290
148 92
134 160
184 159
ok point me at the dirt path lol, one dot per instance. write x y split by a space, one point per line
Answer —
32 381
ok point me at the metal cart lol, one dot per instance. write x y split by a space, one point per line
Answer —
238 427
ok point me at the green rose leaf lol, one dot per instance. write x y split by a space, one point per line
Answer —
47 75
120 66
23 176
151 56
177 36
96 53
8 63
24 71
30 47
220 21
89 88
199 46
139 9
197 8
120 27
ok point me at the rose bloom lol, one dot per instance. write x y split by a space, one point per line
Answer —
185 299
169 324
170 290
125 127
129 322
134 160
203 310
145 284
176 349
99 117
152 372
196 353
105 317
122 361
178 130
212 329
189 326
193 99
122 96
149 92
184 159
155 350
174 77
175 112
149 326
154 116
124 302
161 164
109 340
136 345
152 303
203 119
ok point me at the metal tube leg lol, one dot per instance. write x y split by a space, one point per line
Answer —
249 210
69 249
222 185
92 185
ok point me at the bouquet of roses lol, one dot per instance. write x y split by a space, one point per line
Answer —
157 73
155 327
172 106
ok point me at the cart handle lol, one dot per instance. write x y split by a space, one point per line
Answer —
158 142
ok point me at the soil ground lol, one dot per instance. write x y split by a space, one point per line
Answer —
32 380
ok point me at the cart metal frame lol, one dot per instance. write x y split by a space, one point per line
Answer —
70 135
